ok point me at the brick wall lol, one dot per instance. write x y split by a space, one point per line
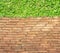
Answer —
30 35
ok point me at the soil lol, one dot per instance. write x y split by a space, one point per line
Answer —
30 35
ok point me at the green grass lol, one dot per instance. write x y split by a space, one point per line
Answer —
29 8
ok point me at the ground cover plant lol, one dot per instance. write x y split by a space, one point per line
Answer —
29 8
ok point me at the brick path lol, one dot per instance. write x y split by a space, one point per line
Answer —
30 35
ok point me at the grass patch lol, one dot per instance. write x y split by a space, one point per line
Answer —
29 8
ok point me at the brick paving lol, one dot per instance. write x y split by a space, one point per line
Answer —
30 35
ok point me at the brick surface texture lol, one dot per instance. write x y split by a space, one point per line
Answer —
30 35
